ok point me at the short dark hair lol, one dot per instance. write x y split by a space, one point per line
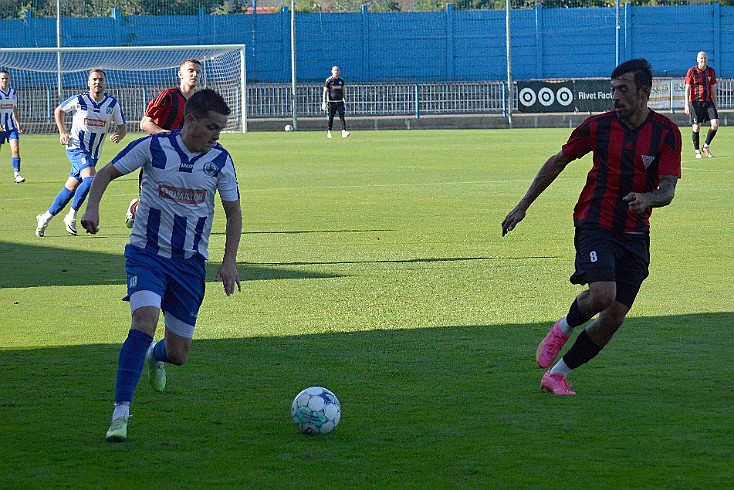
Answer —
3 70
641 69
190 60
99 70
206 100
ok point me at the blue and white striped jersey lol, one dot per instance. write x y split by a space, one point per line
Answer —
91 121
176 209
8 103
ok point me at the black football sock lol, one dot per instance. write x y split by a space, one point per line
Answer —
575 317
696 143
581 352
710 136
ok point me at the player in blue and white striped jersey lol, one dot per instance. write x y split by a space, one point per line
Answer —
165 259
94 112
10 128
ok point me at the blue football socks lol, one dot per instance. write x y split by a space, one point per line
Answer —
131 363
81 193
159 351
62 199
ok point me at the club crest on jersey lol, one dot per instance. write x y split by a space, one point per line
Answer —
647 160
211 169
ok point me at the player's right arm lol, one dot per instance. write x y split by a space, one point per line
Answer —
323 98
59 118
162 100
147 125
90 219
686 105
135 155
551 169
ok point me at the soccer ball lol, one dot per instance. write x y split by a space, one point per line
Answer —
316 410
288 127
132 211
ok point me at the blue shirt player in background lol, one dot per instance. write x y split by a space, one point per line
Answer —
9 126
94 112
165 259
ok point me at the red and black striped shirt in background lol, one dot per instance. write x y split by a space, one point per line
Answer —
700 82
624 160
167 109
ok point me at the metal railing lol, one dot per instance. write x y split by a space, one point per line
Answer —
373 100
274 100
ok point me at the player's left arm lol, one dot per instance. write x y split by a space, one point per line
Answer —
117 136
227 272
638 202
714 97
17 119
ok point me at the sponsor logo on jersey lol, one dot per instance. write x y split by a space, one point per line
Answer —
6 106
183 196
95 123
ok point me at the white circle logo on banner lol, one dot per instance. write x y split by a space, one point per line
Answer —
564 96
527 97
546 96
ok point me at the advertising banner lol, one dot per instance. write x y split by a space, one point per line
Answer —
545 96
667 94
592 95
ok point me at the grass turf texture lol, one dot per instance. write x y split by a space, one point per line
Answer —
373 266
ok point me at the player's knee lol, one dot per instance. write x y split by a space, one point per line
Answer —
601 298
177 356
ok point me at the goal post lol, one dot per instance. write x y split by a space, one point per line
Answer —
44 77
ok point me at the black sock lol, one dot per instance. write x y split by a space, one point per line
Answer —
696 143
575 317
710 136
581 352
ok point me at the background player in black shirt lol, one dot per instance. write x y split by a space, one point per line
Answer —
333 100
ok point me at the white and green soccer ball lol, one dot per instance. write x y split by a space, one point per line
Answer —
316 410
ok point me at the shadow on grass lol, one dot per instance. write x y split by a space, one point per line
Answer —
458 397
26 265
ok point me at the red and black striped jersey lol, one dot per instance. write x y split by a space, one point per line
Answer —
624 160
167 109
700 82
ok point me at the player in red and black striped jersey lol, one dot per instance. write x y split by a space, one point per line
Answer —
701 101
166 113
636 166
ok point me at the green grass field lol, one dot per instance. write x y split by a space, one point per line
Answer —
373 266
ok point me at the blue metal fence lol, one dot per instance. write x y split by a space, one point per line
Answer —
419 47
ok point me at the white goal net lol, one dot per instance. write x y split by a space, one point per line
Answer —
45 77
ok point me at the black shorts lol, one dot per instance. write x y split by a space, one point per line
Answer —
602 255
702 112
336 107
